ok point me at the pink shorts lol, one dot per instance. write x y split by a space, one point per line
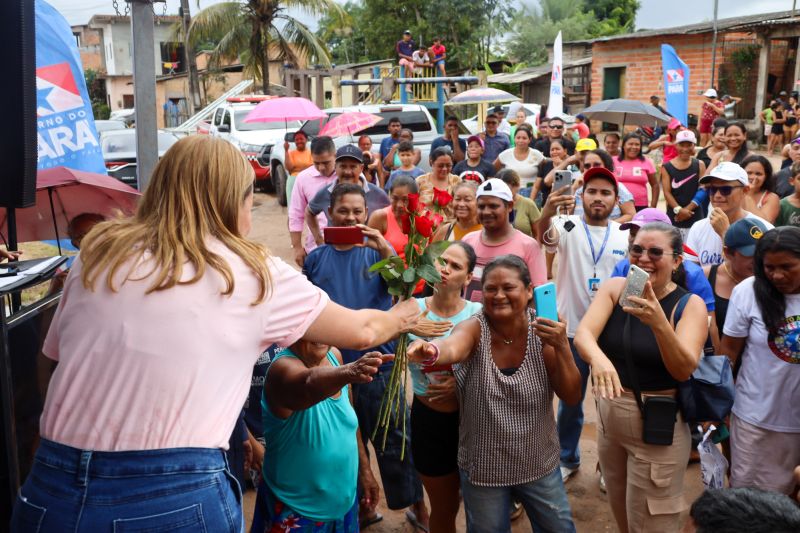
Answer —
763 458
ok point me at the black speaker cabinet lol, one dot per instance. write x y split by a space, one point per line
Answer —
18 146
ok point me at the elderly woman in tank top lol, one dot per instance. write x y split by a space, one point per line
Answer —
508 365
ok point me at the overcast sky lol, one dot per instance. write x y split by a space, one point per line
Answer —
652 14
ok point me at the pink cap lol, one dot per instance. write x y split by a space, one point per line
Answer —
686 136
476 138
674 124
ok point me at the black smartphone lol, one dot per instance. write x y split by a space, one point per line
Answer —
6 271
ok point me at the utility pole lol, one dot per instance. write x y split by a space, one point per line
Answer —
191 60
144 88
714 46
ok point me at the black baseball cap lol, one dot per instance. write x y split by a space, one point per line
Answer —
348 151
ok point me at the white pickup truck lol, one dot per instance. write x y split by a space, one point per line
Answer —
254 139
412 116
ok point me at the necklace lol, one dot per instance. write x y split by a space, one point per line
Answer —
730 274
664 292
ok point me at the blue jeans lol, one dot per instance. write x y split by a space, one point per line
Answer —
570 418
545 501
401 485
177 490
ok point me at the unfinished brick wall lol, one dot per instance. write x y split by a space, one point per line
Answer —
641 58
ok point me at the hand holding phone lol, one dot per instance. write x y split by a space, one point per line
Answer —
634 286
562 178
544 297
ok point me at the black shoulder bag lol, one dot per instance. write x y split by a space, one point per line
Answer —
659 413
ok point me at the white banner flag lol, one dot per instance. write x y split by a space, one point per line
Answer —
556 105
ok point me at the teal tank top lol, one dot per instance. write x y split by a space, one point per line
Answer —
419 379
311 459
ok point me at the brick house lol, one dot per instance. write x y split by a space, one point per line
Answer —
756 58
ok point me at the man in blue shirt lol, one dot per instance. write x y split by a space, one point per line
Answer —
349 167
393 128
342 271
494 141
696 281
450 138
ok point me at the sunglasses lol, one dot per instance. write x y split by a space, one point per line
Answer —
559 127
653 253
724 190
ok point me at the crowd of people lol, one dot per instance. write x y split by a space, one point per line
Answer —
134 423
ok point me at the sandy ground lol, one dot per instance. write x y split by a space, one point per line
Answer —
589 506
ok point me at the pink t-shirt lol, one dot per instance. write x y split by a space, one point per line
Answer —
519 244
306 186
167 369
633 174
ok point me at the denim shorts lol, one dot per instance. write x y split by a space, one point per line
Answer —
177 490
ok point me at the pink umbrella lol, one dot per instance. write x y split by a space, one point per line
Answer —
285 109
63 193
349 123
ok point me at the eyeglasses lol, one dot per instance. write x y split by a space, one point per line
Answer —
724 190
653 253
557 127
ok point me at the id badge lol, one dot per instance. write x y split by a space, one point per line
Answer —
594 286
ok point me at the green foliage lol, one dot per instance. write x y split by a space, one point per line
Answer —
96 87
253 30
535 28
371 28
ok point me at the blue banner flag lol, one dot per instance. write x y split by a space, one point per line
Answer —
676 83
67 135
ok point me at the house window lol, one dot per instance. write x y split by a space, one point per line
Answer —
173 58
77 36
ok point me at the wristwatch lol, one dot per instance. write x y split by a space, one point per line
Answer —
676 209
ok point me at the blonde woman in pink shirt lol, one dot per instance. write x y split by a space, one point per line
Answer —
162 318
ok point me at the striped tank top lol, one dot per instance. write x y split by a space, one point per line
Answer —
507 430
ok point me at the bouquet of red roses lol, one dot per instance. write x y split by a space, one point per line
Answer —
402 277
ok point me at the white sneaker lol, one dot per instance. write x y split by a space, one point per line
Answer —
602 484
567 473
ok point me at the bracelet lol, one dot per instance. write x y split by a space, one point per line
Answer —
430 361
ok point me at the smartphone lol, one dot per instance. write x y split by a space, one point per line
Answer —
8 271
343 235
562 179
634 286
544 297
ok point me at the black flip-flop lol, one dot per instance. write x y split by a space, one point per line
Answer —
412 519
374 519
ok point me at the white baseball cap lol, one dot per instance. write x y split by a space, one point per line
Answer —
727 171
711 93
497 188
685 136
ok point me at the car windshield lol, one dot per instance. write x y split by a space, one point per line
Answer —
241 125
108 125
126 142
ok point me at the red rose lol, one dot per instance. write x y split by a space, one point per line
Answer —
437 219
413 203
441 198
424 225
405 224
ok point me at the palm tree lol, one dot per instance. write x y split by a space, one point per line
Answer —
252 30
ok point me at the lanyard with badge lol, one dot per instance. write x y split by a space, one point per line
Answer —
594 281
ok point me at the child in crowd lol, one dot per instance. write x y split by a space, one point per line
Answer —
439 54
474 167
405 151
789 215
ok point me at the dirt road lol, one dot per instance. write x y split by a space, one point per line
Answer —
589 506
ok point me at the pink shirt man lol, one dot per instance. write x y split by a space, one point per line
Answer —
306 186
178 370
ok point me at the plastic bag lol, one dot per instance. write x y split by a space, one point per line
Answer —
713 464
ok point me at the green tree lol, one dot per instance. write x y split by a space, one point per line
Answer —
254 30
534 29
613 16
96 87
343 35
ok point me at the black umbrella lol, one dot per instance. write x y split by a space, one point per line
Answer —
621 111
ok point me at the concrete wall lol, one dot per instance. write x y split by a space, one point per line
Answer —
90 47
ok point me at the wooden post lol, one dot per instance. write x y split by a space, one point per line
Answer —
354 89
336 90
319 97
483 81
763 74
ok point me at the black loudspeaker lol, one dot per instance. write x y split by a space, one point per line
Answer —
18 144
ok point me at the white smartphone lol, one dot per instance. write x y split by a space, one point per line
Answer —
562 179
634 286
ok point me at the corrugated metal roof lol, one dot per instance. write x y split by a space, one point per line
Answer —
531 73
728 24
